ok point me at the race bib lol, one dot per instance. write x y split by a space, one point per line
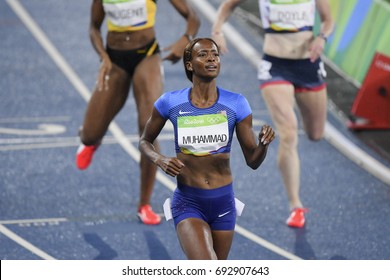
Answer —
202 135
129 13
288 15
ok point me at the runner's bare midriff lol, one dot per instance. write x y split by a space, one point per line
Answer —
130 40
288 45
218 171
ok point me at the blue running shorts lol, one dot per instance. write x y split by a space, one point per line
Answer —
216 206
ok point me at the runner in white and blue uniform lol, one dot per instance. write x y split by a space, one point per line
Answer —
291 73
204 118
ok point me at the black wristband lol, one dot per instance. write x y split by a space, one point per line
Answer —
323 36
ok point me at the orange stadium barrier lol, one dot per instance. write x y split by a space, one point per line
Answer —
371 107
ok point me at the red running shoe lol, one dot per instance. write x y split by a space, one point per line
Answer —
297 218
84 155
147 216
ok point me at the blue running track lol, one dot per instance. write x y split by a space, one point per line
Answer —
51 210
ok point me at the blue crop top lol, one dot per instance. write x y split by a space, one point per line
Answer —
203 131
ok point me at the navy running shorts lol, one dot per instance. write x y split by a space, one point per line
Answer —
303 74
216 206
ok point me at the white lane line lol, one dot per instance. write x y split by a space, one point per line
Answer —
40 36
35 119
357 155
40 140
332 135
42 129
270 246
20 144
50 221
24 243
84 92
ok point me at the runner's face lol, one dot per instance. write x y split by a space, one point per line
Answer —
205 60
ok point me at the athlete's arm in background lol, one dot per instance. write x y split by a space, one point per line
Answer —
326 28
193 23
224 11
95 35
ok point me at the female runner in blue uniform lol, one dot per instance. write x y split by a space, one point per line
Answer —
204 117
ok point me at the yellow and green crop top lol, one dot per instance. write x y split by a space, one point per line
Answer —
130 15
286 16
